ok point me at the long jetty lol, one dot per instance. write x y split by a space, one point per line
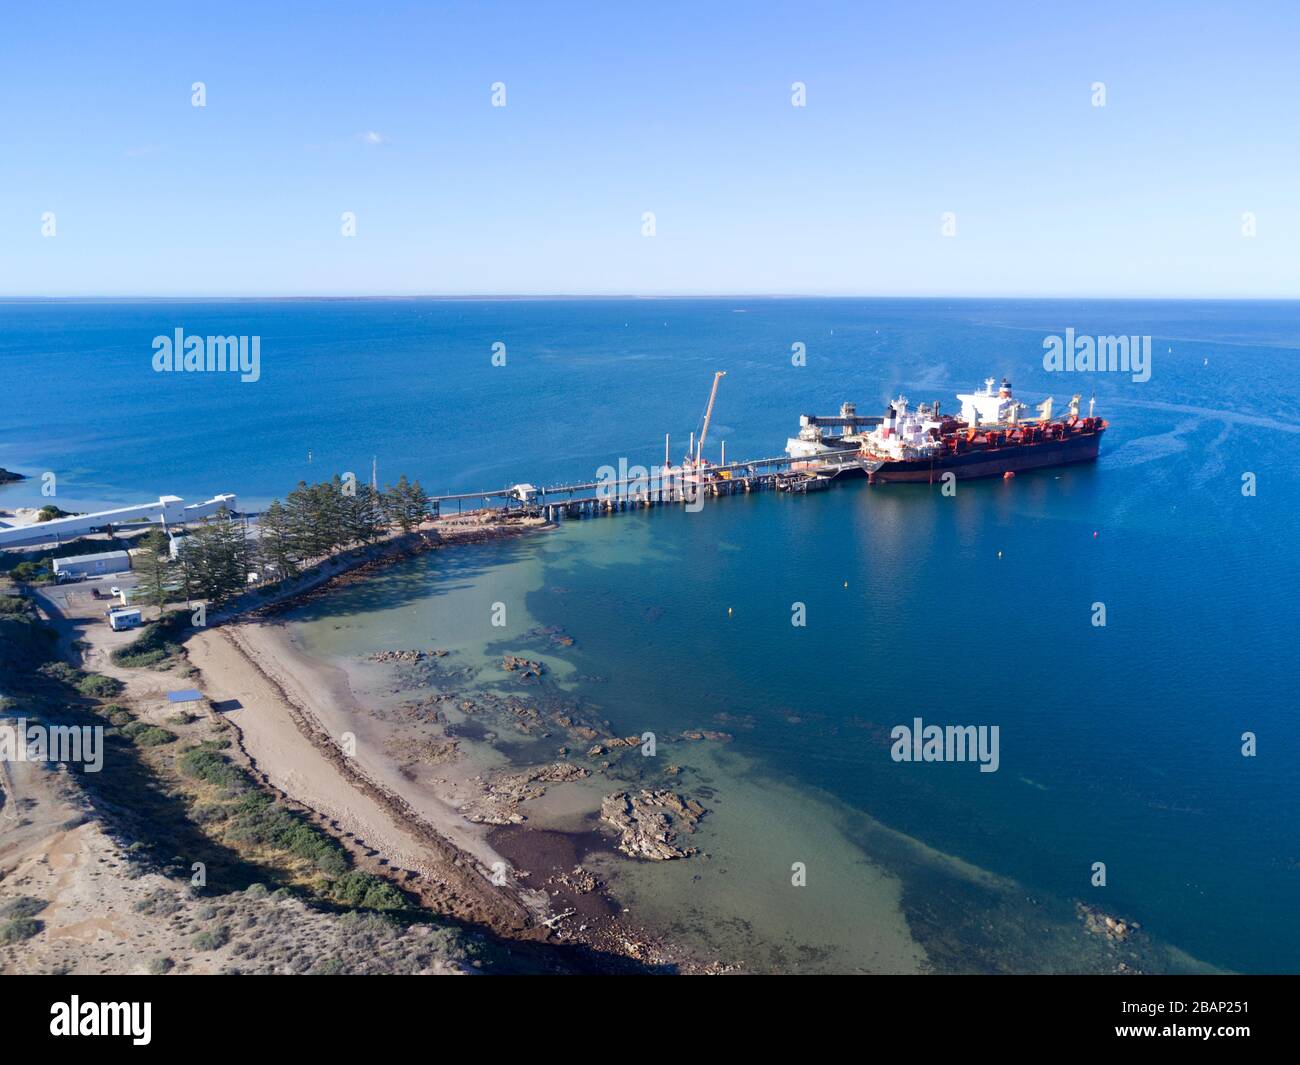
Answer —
647 487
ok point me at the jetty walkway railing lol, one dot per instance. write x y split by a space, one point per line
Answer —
640 487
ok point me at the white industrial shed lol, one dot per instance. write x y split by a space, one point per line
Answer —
92 565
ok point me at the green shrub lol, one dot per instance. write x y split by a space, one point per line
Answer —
97 686
153 736
22 906
363 891
205 764
62 672
13 604
212 939
153 646
30 572
147 735
17 930
161 966
258 820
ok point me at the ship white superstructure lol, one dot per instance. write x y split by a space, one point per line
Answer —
906 433
990 407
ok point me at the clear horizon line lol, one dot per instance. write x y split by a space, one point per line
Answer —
503 296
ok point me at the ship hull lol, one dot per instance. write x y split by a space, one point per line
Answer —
992 462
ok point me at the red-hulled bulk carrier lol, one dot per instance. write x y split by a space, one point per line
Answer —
987 439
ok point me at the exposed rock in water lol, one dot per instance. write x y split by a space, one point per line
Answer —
430 752
499 804
8 476
401 656
581 880
1103 924
706 734
523 666
556 635
648 822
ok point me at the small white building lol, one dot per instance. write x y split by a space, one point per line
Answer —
91 565
128 618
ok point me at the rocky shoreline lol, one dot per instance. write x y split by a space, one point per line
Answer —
635 815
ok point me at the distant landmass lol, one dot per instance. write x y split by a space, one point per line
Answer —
8 476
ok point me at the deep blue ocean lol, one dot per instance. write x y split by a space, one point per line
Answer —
1120 744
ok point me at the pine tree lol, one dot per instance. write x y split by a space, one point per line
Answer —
417 500
277 543
332 515
218 558
405 504
364 516
156 568
391 502
300 511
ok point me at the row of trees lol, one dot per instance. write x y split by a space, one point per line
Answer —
314 521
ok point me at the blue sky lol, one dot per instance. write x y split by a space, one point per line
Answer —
682 109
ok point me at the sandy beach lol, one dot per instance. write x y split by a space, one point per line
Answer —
290 718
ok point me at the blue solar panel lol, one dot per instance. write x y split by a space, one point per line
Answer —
189 695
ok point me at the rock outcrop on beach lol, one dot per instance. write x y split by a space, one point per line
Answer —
502 797
648 822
